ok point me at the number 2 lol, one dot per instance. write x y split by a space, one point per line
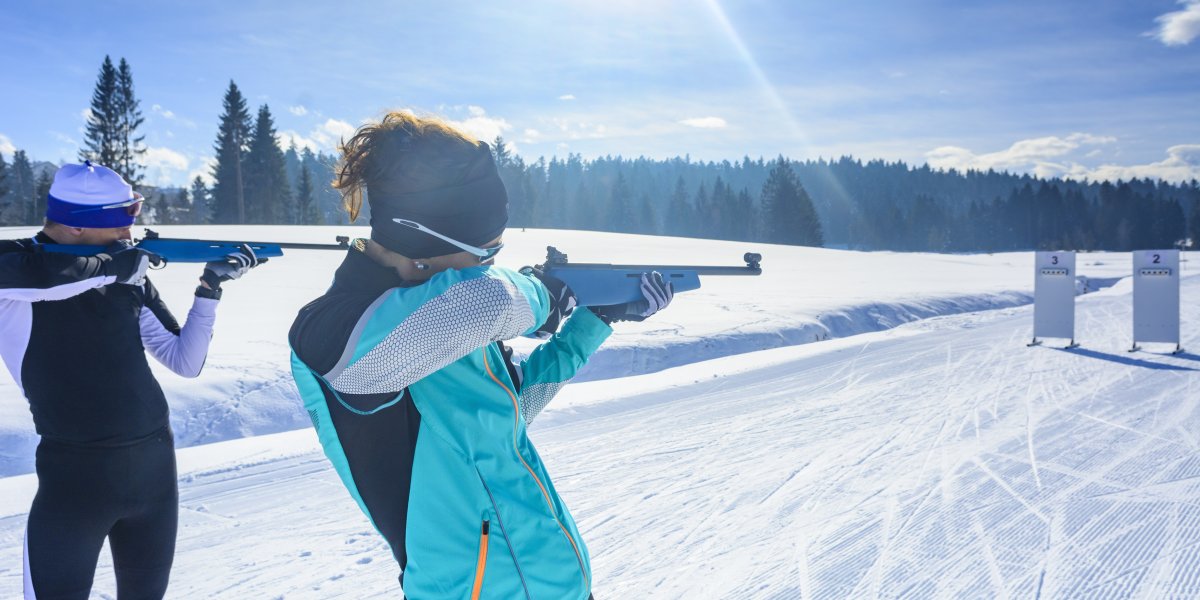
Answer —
1157 259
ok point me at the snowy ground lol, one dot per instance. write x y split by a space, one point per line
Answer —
941 458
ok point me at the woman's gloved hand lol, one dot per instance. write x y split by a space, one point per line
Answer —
656 295
562 302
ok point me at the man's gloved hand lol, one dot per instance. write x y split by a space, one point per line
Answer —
656 295
562 302
128 263
233 266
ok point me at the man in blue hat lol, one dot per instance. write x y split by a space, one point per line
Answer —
73 334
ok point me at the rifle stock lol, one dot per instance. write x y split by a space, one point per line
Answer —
598 284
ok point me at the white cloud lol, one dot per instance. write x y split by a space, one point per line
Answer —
1055 157
86 113
299 111
577 130
289 137
1182 164
530 136
323 138
1180 27
567 97
63 138
483 127
1026 155
159 110
164 166
204 171
340 128
6 145
705 122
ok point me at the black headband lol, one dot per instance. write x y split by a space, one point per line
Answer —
474 212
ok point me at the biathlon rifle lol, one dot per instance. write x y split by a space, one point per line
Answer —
199 251
598 284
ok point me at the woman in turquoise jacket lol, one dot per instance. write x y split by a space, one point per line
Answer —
416 400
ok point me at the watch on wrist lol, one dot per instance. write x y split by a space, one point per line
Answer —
212 294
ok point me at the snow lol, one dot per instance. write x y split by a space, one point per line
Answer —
920 450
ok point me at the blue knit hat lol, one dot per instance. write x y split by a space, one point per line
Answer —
90 196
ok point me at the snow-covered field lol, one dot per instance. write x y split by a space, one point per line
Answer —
937 458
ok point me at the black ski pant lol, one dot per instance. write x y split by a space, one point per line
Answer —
86 493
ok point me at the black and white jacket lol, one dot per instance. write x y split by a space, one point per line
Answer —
75 341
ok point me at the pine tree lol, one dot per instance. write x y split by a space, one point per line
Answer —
162 209
200 202
586 214
790 216
100 142
129 117
306 206
9 215
531 181
268 193
700 223
516 182
619 215
23 186
679 211
291 163
743 217
181 208
41 190
233 136
647 221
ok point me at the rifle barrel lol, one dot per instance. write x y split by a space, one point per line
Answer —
698 269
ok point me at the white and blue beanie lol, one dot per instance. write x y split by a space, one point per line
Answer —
82 195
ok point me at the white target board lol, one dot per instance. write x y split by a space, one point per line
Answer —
1054 295
1156 296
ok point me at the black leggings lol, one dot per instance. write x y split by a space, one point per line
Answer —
127 494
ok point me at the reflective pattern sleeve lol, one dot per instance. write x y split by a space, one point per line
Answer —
412 332
552 364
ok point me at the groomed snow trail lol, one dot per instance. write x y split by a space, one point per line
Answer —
939 459
953 463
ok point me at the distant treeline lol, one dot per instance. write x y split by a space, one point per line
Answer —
871 206
838 203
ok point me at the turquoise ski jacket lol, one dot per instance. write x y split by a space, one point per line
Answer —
422 411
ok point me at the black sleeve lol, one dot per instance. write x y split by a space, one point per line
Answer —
156 305
30 275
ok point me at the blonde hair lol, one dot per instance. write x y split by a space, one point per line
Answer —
402 153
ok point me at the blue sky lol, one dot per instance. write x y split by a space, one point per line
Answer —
1097 89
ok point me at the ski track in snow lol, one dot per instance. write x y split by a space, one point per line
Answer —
942 458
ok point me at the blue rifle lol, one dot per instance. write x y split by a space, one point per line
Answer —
199 251
598 284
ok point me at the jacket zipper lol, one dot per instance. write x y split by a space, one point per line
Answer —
481 562
507 544
516 416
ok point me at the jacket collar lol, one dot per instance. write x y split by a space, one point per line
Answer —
359 273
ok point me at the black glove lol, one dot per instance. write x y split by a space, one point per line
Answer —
233 266
656 295
127 262
562 302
